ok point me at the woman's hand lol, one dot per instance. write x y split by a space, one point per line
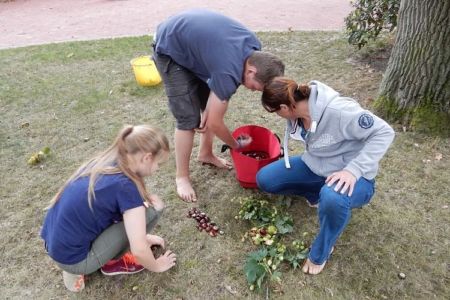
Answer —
157 203
166 261
155 240
345 181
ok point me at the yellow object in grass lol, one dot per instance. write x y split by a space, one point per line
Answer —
145 71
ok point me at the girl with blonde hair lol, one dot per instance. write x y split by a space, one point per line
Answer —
104 209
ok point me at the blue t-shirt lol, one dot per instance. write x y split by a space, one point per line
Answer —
70 226
212 46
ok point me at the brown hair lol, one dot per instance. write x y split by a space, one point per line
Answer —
130 140
282 90
267 66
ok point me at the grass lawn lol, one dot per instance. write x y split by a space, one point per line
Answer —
74 97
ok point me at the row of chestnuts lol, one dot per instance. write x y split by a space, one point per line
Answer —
204 222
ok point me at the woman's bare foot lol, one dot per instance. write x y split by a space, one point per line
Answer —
216 161
185 190
310 268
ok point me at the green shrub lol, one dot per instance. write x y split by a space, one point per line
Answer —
369 19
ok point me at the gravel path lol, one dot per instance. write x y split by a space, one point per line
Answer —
34 22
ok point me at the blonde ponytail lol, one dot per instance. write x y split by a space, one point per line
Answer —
114 160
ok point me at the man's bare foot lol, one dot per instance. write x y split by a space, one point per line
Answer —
185 190
216 161
311 268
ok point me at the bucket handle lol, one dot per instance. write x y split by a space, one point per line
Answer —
281 147
226 147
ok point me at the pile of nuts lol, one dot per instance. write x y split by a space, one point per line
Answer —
204 222
258 155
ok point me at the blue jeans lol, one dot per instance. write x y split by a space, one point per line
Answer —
334 209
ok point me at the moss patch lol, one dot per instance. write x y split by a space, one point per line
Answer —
424 118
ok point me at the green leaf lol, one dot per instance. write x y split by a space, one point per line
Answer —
258 255
284 225
254 271
276 276
260 280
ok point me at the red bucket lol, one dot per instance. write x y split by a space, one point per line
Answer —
264 141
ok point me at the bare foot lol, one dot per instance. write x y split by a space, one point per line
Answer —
216 161
312 205
310 268
185 190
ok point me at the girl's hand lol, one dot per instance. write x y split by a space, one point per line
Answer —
155 240
345 181
166 261
157 203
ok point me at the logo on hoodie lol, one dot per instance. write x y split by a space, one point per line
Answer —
365 121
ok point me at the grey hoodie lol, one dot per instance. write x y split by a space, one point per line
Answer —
343 135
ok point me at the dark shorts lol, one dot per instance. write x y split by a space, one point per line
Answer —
187 94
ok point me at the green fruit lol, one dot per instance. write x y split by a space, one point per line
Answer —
272 230
46 150
33 160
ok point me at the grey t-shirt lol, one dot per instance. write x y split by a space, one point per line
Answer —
212 46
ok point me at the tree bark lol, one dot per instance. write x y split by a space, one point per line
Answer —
416 85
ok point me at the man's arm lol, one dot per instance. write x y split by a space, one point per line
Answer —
212 119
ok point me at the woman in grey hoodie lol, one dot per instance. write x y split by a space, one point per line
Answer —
344 144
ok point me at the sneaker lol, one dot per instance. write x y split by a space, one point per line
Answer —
125 265
73 282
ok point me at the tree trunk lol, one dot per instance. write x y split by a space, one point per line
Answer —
415 90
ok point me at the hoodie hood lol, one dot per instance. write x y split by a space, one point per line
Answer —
319 98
